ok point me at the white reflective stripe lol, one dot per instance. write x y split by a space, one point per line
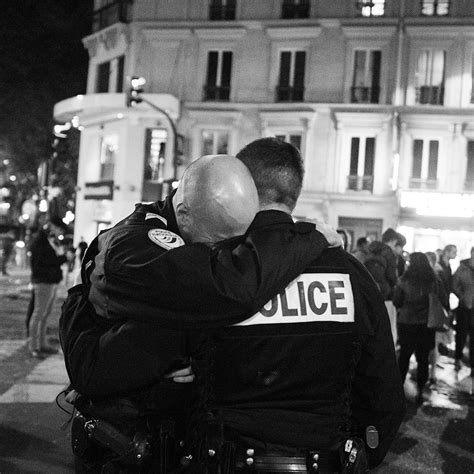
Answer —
152 215
311 298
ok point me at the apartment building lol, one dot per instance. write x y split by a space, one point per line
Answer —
378 95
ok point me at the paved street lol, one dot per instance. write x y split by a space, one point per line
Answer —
435 437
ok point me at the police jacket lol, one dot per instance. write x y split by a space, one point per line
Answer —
45 263
148 290
314 365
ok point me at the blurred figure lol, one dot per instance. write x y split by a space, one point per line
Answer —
46 260
6 247
444 267
411 298
463 288
382 265
362 249
401 263
82 247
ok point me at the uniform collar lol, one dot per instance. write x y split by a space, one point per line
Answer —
270 217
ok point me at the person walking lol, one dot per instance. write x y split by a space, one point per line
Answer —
46 273
411 297
463 288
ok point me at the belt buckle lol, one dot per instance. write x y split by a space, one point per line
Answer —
312 461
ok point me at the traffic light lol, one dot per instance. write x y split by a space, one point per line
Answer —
134 91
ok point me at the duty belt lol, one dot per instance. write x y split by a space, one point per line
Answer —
313 462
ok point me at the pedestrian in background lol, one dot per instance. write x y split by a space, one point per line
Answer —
362 249
411 297
46 260
382 265
463 287
6 248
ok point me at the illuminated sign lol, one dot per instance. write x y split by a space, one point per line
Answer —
438 204
99 190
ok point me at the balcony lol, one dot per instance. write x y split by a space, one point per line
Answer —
221 12
293 11
289 94
433 95
220 93
365 95
360 183
420 183
115 12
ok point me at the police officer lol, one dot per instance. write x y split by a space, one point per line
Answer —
135 273
310 382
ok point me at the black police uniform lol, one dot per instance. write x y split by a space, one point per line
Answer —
315 366
136 282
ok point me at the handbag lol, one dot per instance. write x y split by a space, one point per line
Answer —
438 318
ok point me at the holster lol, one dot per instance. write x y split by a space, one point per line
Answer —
87 433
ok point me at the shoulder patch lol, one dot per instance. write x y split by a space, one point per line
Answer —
165 238
152 215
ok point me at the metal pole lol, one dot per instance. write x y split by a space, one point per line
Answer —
175 135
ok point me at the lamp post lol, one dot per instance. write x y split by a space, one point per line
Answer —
134 96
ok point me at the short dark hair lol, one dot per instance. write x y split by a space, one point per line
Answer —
401 240
277 169
389 235
361 241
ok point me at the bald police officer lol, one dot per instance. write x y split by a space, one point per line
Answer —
135 269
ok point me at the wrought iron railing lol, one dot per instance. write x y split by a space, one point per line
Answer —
365 95
420 183
433 95
360 183
289 94
220 93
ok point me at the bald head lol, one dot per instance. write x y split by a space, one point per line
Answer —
216 199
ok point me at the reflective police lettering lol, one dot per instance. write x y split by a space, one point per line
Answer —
312 297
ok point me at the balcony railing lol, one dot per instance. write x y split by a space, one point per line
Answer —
419 183
360 183
291 10
221 93
114 12
433 95
365 95
289 94
222 12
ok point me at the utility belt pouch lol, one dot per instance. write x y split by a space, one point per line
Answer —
353 456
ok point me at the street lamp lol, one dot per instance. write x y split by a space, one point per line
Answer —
134 96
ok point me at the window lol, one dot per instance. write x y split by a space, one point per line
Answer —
366 80
430 77
110 75
219 70
214 142
294 139
424 173
469 182
110 12
291 76
103 76
155 148
222 10
371 7
434 7
361 169
108 152
295 9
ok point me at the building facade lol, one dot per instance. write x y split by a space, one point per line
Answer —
378 95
